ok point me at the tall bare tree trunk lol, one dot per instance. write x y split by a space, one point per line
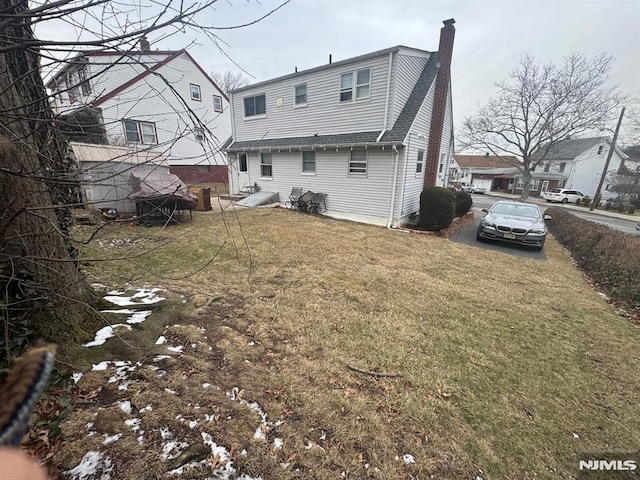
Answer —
39 278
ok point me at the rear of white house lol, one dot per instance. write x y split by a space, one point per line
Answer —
358 130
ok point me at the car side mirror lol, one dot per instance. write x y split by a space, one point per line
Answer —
485 210
548 217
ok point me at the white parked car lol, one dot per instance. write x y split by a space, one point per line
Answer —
474 189
562 195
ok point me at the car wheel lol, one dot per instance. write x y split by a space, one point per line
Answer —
539 248
565 200
479 238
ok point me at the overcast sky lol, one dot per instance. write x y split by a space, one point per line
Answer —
491 36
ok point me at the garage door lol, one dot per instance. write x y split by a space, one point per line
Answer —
483 182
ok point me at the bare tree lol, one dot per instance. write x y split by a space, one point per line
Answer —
228 80
40 284
540 105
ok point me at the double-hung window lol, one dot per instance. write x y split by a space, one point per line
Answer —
199 132
420 161
85 86
140 132
300 95
358 81
255 106
562 167
358 162
217 103
309 162
72 88
266 165
195 92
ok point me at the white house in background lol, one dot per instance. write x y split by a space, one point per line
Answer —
483 170
365 131
105 171
162 99
581 162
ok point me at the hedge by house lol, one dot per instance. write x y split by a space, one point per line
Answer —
609 257
437 208
463 203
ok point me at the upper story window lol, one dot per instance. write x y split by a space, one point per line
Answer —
266 165
309 162
547 167
72 88
85 86
360 81
255 106
420 161
199 133
600 148
300 95
217 103
358 162
195 92
140 132
562 166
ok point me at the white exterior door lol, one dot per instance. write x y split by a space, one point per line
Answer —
545 186
243 171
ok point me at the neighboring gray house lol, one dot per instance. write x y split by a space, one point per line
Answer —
365 131
579 162
105 171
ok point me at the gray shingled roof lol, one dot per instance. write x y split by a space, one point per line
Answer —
394 136
568 149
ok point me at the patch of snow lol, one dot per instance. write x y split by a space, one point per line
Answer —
92 464
134 423
140 439
125 406
175 349
260 433
575 435
138 317
157 358
161 339
165 433
194 345
88 425
99 286
206 385
110 439
323 436
193 424
407 458
143 296
148 408
121 310
278 443
116 292
172 392
76 377
227 471
172 449
104 334
251 344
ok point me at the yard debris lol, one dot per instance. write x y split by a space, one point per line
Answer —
375 374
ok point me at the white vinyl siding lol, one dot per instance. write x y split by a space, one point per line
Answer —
324 114
346 193
408 71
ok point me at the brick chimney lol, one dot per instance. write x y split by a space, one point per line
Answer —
144 45
445 52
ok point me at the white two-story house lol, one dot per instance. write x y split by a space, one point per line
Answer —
579 163
365 131
152 98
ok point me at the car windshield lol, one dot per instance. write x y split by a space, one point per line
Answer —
516 210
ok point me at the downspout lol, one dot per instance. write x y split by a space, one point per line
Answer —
407 149
394 160
386 101
233 189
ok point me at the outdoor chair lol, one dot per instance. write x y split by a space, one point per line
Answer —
304 202
317 203
294 196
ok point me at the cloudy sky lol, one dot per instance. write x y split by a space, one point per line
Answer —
491 36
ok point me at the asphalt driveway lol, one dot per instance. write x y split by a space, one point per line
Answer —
467 236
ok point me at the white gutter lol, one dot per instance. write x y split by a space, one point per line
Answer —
396 163
381 134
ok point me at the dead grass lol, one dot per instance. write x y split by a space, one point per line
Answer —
509 365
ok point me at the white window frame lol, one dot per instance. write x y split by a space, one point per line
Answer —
420 163
297 104
255 115
264 164
217 104
140 131
72 88
85 85
197 91
199 134
308 162
356 166
356 86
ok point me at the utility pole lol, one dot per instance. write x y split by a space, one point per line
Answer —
596 199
